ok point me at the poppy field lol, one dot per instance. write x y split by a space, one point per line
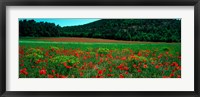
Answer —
39 59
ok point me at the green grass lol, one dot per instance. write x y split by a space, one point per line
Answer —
175 47
114 49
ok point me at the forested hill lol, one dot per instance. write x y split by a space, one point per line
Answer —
157 30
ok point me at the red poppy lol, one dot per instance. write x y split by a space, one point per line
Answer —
120 66
53 71
21 64
178 67
145 66
95 67
24 71
109 56
121 76
157 66
109 75
178 76
160 56
126 72
50 76
101 60
65 64
172 75
123 58
165 77
100 72
97 55
84 57
110 69
117 57
104 69
126 68
68 67
139 54
47 53
57 75
77 55
101 55
62 76
132 56
174 64
139 70
38 61
81 74
134 65
42 72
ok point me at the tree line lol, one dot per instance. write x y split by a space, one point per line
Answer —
156 30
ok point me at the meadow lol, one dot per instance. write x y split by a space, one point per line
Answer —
43 58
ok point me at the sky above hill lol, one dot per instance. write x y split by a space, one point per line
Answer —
63 21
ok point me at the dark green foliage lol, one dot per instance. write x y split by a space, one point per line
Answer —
156 30
31 28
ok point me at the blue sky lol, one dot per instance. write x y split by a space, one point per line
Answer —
62 21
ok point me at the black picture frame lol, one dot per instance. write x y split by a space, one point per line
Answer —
4 3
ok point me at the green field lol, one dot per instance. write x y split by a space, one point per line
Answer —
47 59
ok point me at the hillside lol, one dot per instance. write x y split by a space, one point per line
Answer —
155 30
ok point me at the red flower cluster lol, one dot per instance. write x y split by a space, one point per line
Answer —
24 71
42 72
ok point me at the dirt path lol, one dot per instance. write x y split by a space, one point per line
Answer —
90 40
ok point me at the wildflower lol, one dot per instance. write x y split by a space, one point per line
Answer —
139 54
126 72
121 76
174 64
50 76
24 71
139 70
145 66
47 53
110 69
53 71
120 66
126 68
38 61
159 56
65 64
172 75
157 66
165 77
178 67
21 64
42 72
68 67
109 75
100 72
134 65
62 76
57 75
81 74
123 58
